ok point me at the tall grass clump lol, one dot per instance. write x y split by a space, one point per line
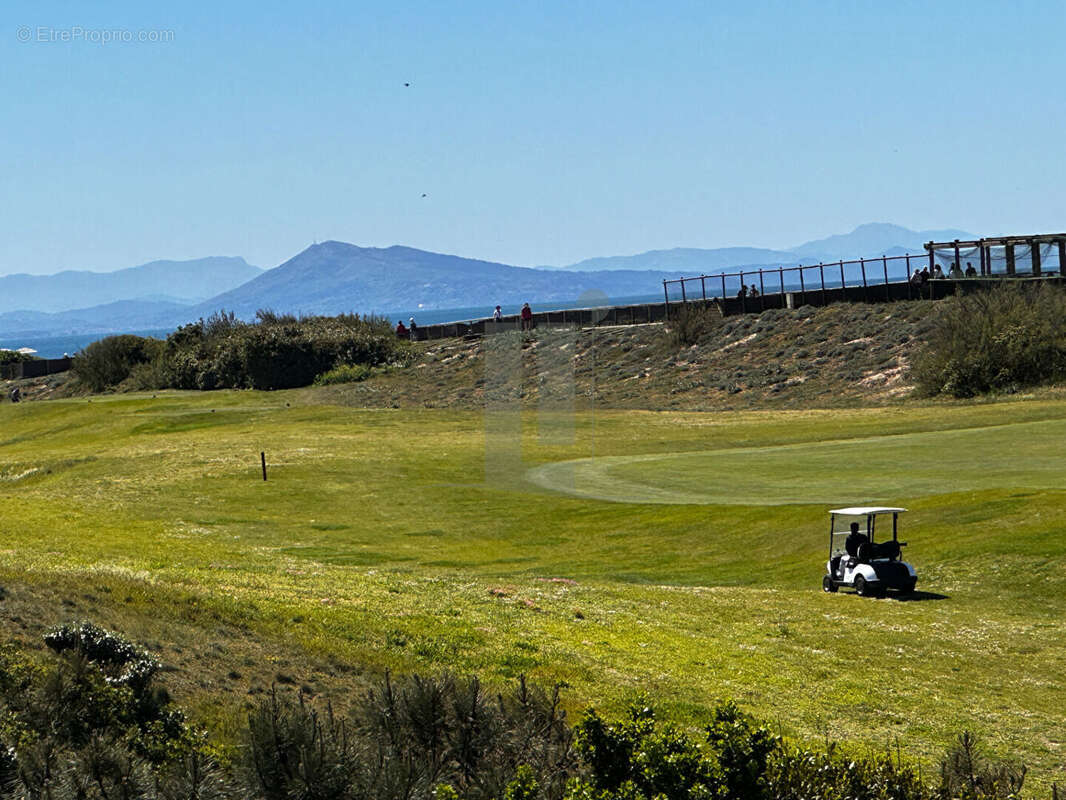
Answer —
345 373
691 323
419 737
1000 340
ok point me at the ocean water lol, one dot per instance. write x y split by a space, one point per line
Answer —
58 346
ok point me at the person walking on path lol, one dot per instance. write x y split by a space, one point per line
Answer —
527 317
497 315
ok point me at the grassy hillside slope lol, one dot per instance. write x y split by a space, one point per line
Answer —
844 354
427 539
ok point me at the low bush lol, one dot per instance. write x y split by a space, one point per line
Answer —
15 357
691 323
276 352
93 724
223 352
1000 340
107 362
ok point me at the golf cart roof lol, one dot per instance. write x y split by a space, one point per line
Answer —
861 511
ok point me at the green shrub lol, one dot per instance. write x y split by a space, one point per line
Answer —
638 758
276 352
345 373
15 357
93 724
145 377
107 362
832 773
1000 340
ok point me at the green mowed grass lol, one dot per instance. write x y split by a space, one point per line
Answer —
678 553
834 471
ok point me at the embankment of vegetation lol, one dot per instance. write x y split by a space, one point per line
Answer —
93 721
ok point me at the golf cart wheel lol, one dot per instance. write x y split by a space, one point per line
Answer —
828 584
861 587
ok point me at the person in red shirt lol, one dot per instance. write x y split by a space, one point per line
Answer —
527 318
401 330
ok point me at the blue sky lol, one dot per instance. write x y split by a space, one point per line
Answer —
540 132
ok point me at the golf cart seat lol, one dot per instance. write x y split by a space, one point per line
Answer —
889 550
854 542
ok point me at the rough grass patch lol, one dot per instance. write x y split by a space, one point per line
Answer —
343 373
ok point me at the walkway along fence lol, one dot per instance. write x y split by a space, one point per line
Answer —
866 280
870 280
631 314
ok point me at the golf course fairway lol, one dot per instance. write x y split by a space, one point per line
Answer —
678 554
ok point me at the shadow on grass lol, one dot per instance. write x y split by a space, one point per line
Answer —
917 595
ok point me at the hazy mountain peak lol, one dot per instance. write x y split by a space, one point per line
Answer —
192 281
874 239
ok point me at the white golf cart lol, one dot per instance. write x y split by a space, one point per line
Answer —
858 560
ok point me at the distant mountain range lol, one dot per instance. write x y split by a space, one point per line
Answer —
336 277
691 259
872 240
168 281
122 315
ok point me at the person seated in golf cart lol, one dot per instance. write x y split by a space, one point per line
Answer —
854 540
865 561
